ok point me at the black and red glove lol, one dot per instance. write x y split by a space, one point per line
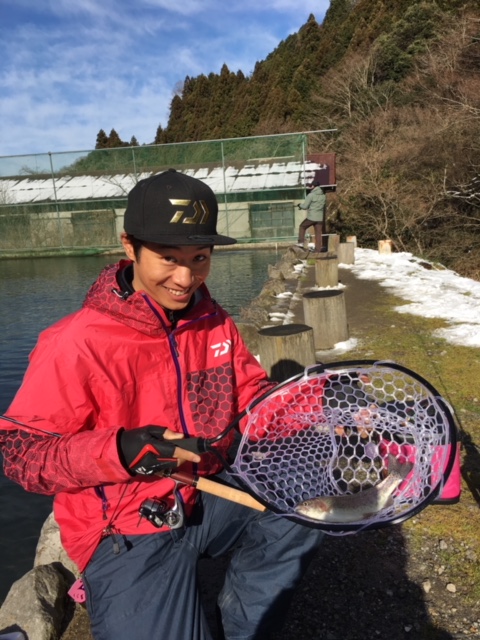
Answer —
144 450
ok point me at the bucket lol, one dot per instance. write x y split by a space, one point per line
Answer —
452 489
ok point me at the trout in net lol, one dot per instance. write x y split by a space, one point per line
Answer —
357 506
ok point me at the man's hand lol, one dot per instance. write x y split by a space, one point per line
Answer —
150 449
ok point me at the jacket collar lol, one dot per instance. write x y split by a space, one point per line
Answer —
113 295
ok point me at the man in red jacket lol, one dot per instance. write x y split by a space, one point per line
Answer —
109 394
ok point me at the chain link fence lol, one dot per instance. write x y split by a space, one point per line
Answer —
76 200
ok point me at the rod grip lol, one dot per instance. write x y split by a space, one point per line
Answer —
218 489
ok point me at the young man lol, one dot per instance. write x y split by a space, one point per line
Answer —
315 204
110 393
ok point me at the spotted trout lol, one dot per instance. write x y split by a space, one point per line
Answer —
357 506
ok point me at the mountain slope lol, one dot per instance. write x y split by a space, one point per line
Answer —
400 81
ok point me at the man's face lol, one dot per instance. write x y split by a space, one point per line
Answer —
169 275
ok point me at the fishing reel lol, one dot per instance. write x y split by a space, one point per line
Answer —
157 512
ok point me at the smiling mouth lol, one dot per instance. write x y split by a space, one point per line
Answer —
178 294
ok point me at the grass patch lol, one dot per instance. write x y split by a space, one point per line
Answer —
383 333
455 372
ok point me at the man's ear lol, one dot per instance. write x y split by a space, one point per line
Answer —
128 246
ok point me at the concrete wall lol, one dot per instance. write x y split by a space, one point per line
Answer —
25 231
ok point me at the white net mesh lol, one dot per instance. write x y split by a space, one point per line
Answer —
349 448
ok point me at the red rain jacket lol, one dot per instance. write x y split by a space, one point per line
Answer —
118 363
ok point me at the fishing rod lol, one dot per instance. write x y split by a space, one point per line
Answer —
29 427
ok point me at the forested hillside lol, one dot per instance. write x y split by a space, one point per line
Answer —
400 81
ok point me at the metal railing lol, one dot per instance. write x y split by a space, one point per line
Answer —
72 199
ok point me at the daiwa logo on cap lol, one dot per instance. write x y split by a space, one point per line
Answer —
173 209
201 215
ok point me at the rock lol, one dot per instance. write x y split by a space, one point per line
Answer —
257 312
282 278
50 550
254 315
270 289
35 604
427 586
275 273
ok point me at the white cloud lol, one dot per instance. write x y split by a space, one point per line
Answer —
186 7
68 69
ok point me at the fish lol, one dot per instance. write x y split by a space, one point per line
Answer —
354 507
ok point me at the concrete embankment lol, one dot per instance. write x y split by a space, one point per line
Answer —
113 251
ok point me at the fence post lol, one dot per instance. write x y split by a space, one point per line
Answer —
326 313
326 270
286 350
59 222
333 242
224 172
346 253
385 246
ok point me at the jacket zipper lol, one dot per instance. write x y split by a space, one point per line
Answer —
109 531
175 355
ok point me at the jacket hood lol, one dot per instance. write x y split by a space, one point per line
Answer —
138 310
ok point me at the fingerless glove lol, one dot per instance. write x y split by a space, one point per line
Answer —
144 451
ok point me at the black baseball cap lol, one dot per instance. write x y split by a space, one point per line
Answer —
171 208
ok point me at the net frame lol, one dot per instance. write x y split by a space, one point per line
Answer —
333 431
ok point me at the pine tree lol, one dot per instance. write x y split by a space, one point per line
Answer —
160 136
114 140
102 140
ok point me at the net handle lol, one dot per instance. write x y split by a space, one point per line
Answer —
217 489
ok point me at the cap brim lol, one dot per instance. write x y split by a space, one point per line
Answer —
170 240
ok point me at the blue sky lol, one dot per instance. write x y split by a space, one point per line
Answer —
71 67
